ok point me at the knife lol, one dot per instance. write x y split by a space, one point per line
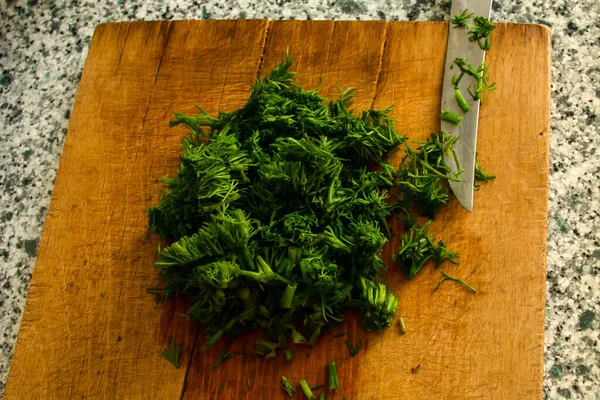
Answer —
459 46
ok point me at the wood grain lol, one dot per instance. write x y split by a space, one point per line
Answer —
90 330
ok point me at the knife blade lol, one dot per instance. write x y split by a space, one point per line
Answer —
459 46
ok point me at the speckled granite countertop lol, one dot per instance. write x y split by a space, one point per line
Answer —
43 46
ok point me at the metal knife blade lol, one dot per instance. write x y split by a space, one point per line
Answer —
459 46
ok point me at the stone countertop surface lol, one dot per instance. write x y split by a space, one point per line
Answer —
43 46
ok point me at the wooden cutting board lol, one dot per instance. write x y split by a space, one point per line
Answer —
90 330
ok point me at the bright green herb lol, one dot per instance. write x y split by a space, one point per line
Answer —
322 396
447 276
353 350
225 356
451 117
422 175
480 32
462 103
456 79
171 354
460 20
287 386
441 254
481 83
306 390
417 247
334 383
480 75
480 175
288 355
466 68
382 305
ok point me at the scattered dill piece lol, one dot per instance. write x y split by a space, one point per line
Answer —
460 20
441 255
421 177
479 74
480 175
249 382
483 72
226 355
333 382
457 78
171 354
341 334
466 68
451 117
402 325
317 387
352 349
322 395
287 386
415 249
480 32
379 305
265 348
462 103
306 390
481 82
447 276
288 355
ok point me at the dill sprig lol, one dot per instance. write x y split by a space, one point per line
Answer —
417 247
480 175
460 20
480 32
288 386
450 277
479 74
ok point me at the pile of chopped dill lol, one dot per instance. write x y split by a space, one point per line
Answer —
279 213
